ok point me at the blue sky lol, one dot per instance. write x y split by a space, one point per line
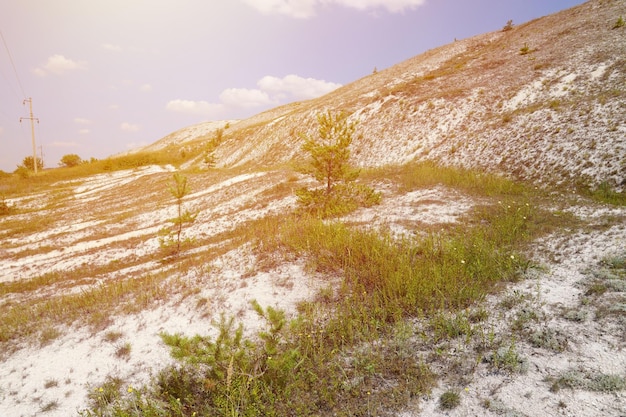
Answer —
106 76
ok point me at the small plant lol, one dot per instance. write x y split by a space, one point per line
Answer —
508 359
103 396
5 208
589 381
525 50
112 336
171 237
449 400
50 406
619 23
51 383
508 26
123 351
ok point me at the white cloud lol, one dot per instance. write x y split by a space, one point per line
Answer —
146 88
193 107
84 131
297 87
129 127
303 9
81 121
114 107
59 65
1 130
243 97
272 91
111 47
299 8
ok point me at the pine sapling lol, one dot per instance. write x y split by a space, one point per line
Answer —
172 236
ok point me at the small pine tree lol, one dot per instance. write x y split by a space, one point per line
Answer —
329 164
508 26
172 236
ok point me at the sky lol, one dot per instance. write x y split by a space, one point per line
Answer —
108 76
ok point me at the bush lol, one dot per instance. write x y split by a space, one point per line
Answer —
449 400
70 160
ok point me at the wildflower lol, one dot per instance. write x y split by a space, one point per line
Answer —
100 389
130 389
463 261
512 257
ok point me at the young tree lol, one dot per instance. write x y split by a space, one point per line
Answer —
70 160
330 151
330 164
27 163
171 236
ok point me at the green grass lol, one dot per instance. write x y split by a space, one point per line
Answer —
342 354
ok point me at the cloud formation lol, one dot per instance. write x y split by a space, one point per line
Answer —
272 91
203 108
111 47
246 98
296 87
303 9
59 65
129 127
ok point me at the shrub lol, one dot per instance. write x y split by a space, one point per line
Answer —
28 163
5 208
70 160
449 400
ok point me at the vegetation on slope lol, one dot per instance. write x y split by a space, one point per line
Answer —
349 352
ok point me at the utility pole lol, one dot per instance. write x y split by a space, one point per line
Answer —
32 129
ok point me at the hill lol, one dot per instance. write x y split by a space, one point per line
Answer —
542 101
489 281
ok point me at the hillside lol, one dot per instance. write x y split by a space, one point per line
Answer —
501 162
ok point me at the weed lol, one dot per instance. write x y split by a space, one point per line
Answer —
549 339
590 381
619 23
47 335
51 383
50 406
112 336
5 208
508 359
576 315
449 400
123 351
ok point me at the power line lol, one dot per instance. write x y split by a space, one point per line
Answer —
12 64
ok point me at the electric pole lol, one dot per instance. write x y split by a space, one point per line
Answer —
32 129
